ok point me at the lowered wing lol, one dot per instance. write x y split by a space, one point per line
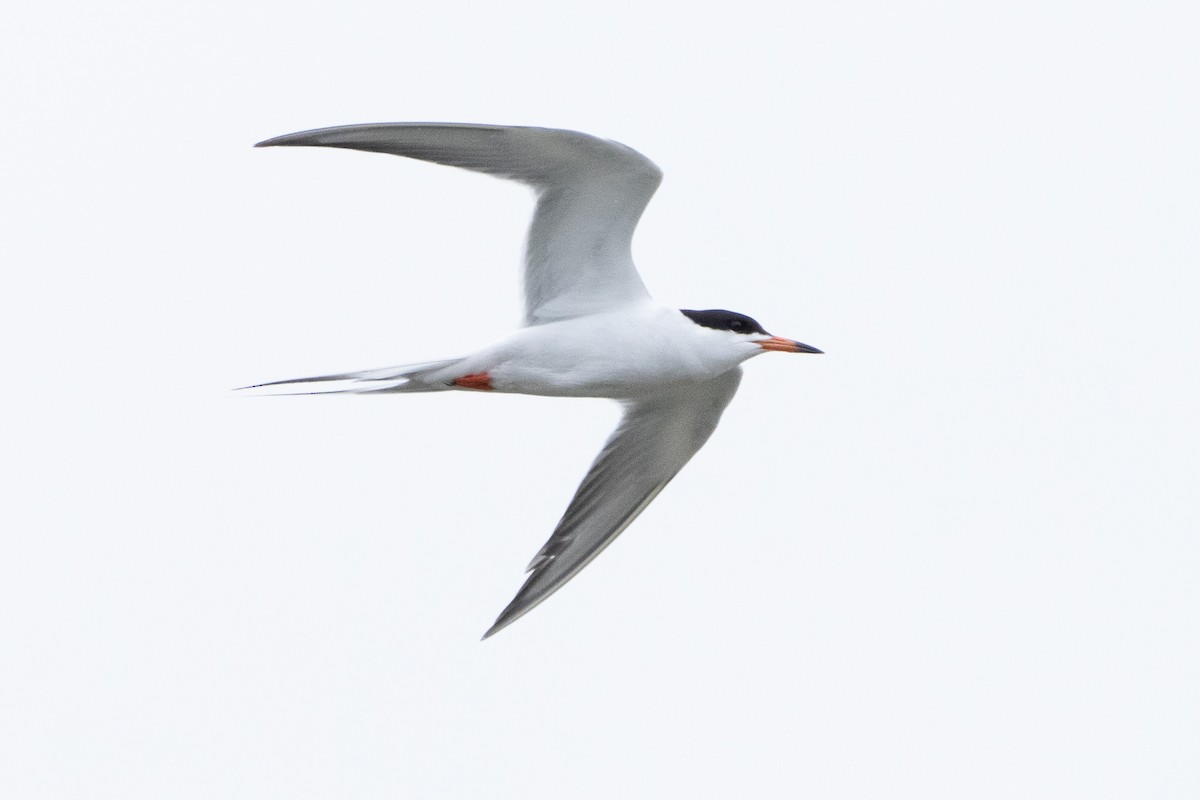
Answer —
656 438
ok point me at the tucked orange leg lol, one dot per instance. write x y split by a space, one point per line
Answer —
480 380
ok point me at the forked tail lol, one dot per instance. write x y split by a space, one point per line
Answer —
406 378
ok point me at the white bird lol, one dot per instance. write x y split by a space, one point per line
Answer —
590 329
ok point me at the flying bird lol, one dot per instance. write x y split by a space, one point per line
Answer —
590 327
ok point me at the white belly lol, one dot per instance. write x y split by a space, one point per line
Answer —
619 355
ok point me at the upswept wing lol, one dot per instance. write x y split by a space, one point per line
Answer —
590 194
656 438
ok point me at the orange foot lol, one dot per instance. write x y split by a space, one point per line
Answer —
480 380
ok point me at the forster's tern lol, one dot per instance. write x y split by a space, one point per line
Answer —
590 327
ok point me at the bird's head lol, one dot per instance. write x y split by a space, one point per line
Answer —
742 330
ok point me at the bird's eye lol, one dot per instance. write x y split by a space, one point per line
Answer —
736 325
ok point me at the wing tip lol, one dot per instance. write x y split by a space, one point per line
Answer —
287 140
497 626
512 612
315 136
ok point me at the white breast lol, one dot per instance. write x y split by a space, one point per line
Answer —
622 354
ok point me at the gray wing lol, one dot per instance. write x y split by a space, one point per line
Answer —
655 439
590 194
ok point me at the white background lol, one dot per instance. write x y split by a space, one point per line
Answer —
954 557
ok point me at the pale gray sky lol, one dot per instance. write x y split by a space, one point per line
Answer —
954 557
